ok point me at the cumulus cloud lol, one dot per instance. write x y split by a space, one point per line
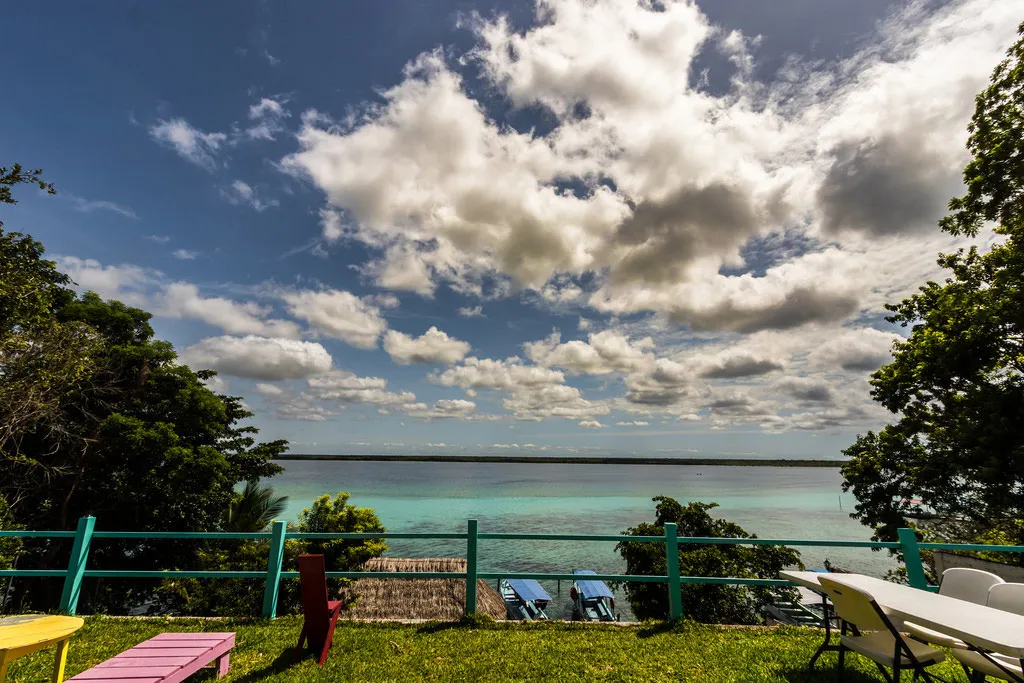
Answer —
337 313
590 424
443 409
742 364
267 119
190 143
242 194
124 282
471 312
183 300
861 350
604 352
256 357
433 347
185 254
508 375
347 387
633 423
854 154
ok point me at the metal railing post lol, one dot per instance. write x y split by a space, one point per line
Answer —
675 591
471 541
912 558
274 560
76 565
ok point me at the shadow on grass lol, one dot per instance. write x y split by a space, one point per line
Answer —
658 628
827 673
284 661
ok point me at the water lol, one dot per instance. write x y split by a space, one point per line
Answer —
772 502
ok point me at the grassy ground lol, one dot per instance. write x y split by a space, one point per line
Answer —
499 652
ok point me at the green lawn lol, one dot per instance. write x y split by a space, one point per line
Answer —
499 652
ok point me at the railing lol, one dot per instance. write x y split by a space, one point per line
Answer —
86 532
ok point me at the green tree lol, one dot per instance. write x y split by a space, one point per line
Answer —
243 597
99 418
957 383
254 508
713 604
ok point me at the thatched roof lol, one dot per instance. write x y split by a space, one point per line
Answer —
441 599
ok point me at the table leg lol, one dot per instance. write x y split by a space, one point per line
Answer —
3 666
826 646
59 660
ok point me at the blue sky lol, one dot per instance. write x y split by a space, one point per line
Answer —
496 227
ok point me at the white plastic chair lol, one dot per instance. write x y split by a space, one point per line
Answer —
884 645
962 583
1008 597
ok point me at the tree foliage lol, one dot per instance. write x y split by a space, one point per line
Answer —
97 417
702 602
957 383
243 597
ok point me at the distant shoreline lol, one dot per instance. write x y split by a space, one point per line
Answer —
572 460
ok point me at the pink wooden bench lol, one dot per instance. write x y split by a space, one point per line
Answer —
166 658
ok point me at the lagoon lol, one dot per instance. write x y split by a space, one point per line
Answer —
783 502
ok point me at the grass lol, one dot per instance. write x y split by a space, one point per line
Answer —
495 652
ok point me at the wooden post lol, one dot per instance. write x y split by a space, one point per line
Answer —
675 595
471 540
274 559
76 565
912 558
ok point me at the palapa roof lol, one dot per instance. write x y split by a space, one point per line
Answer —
440 599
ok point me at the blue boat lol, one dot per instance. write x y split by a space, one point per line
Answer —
524 599
592 600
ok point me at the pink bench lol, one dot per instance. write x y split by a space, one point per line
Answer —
166 658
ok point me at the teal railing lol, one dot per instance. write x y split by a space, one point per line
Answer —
83 536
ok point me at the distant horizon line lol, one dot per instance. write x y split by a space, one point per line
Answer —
573 460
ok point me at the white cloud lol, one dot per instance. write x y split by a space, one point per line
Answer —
183 300
190 143
125 282
471 312
557 400
443 409
267 118
606 351
331 225
509 375
633 423
433 347
257 357
185 254
241 193
90 205
591 424
337 313
270 390
159 239
346 387
858 154
861 350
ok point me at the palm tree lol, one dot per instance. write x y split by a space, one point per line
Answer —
254 508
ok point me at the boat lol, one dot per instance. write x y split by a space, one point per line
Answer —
592 600
524 599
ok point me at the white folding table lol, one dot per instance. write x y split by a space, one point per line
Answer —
983 628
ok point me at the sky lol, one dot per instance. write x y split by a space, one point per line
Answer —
603 226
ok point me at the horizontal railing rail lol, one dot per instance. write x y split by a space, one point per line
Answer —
83 536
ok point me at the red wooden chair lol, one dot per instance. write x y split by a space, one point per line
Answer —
320 613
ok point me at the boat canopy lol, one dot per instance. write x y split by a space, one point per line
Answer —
528 589
592 589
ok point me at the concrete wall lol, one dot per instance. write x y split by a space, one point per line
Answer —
945 560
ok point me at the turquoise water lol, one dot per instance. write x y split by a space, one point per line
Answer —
772 502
